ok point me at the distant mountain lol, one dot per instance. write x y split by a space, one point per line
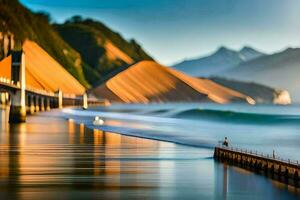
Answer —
260 93
148 81
100 47
248 53
280 70
222 60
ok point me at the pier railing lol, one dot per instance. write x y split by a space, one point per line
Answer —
283 170
260 154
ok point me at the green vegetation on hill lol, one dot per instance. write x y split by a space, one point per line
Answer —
78 45
24 24
89 37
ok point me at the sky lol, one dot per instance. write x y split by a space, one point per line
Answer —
175 30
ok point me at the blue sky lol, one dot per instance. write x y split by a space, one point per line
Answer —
173 30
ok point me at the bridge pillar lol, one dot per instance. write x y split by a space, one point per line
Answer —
3 98
31 104
84 101
17 111
42 105
37 104
60 99
48 104
52 103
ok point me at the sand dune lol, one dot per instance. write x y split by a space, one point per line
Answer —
148 81
43 72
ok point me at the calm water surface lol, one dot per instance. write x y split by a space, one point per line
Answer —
53 158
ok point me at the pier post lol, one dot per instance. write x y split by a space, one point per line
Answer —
266 168
84 101
286 174
255 166
259 166
279 171
17 111
272 170
296 178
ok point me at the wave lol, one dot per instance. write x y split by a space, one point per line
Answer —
233 116
154 135
148 127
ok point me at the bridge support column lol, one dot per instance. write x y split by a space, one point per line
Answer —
42 105
52 103
84 101
37 103
47 104
17 111
60 99
3 98
31 104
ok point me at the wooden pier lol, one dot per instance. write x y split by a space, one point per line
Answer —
285 171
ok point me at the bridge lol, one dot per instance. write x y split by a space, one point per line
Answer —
30 96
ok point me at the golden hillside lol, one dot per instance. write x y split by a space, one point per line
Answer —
148 81
5 68
43 72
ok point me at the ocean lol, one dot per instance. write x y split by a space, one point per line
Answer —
157 151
